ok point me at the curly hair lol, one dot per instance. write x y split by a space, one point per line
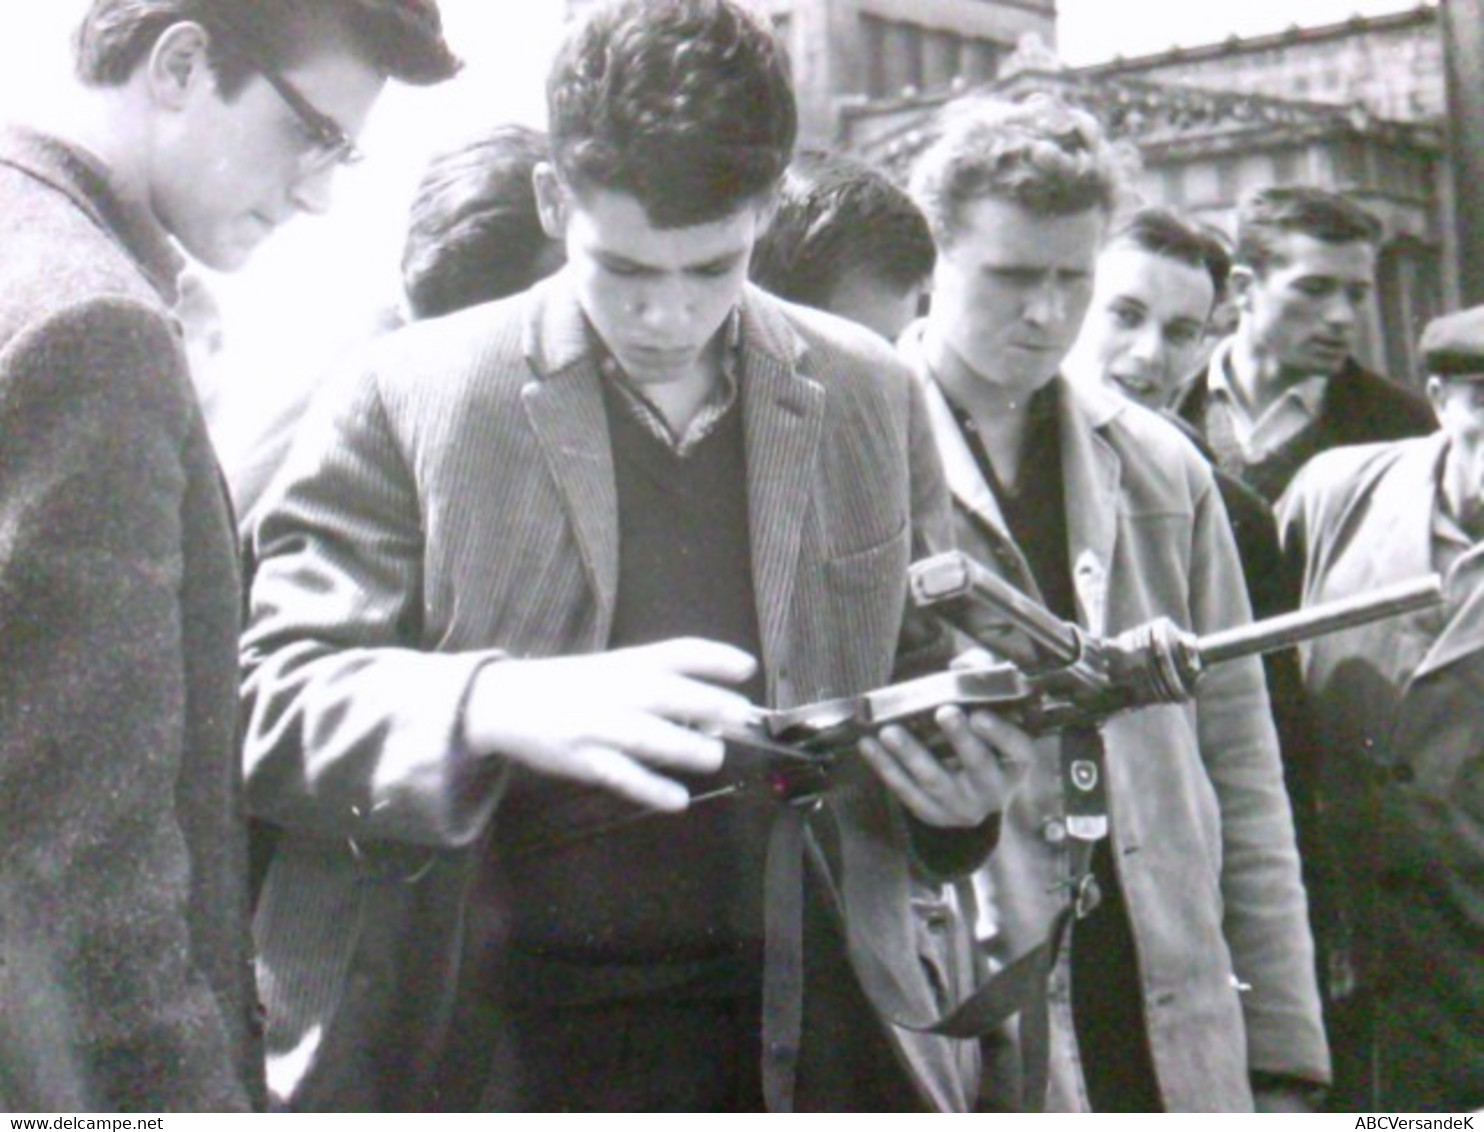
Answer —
684 104
403 39
1038 152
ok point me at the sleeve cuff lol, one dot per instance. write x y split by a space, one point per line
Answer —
947 854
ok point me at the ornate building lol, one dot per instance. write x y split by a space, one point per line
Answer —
848 51
1356 106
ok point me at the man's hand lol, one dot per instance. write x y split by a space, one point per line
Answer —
608 719
988 762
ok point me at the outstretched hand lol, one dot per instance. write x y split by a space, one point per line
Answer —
616 720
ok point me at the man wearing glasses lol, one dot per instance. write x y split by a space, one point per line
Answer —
201 125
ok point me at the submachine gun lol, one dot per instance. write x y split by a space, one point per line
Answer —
1050 674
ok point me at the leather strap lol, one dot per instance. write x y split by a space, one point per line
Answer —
783 957
1022 986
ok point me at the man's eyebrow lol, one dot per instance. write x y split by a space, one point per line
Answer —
717 263
615 259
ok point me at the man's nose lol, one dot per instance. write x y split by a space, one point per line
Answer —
661 304
311 191
1048 303
1148 344
1342 310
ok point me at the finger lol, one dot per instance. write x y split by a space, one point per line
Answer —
970 754
618 774
902 786
696 704
1013 746
973 658
930 770
658 742
696 656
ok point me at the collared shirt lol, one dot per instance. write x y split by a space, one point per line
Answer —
1456 554
716 406
1284 419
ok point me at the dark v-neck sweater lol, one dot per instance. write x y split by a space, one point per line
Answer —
671 901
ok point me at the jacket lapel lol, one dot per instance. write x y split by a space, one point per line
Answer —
1461 637
1417 499
565 408
1091 475
960 469
783 421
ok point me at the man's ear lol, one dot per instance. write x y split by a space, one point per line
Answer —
552 200
177 65
1239 286
1437 394
767 210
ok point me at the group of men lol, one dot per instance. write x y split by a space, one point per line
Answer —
534 569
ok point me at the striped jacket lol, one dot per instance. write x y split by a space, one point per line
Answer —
453 501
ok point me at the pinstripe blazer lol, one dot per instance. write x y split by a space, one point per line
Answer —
453 502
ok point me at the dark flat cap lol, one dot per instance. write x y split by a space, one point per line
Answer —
1453 345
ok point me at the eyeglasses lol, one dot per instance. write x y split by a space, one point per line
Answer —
332 145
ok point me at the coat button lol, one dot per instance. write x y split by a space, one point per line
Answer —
1402 772
1054 830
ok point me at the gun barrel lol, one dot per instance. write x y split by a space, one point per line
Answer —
1330 617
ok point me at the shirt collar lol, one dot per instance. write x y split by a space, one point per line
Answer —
722 398
1298 406
86 179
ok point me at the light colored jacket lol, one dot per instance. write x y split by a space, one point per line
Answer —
454 503
1202 834
1399 712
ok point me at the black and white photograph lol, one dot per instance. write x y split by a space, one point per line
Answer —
753 556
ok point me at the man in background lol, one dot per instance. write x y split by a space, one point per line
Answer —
848 241
1109 518
1397 708
202 126
1286 386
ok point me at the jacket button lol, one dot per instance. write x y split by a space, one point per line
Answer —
1054 830
1402 772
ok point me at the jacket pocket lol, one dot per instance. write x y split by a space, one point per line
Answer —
866 594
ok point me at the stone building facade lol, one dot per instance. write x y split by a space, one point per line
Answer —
1357 106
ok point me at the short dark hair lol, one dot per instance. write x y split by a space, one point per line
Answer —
474 233
1268 215
837 215
684 104
1038 152
1162 232
403 39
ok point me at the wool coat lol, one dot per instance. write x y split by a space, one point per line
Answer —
452 503
125 967
1202 834
1358 407
1399 709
